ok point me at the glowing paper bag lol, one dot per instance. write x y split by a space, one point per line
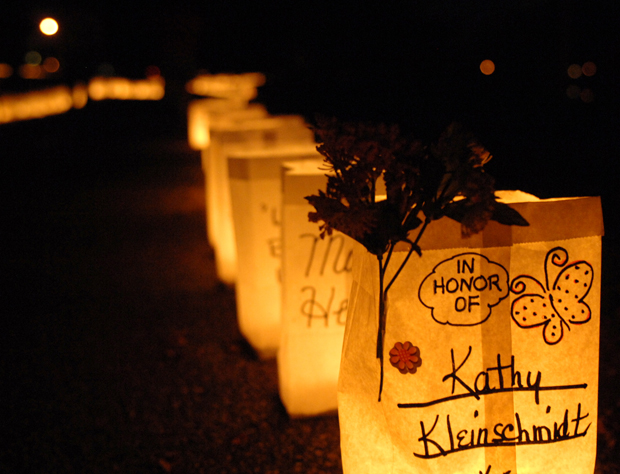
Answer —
226 137
202 114
230 86
491 350
315 288
256 197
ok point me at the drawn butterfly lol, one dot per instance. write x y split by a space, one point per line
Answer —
557 305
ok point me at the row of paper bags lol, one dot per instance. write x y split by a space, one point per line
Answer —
291 286
505 326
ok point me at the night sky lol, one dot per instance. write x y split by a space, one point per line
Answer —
406 62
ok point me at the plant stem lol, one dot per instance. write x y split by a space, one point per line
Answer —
382 317
413 246
383 293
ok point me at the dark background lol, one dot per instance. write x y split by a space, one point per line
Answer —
119 349
409 62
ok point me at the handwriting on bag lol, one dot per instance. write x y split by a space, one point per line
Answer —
326 259
497 379
462 290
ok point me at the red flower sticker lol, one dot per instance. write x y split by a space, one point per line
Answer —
405 357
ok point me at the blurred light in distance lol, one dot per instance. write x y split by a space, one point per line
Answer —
31 71
48 26
36 104
51 64
573 91
33 57
152 71
227 86
100 88
487 67
205 114
574 71
6 70
588 69
79 95
587 95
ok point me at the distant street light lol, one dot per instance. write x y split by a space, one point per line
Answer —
48 26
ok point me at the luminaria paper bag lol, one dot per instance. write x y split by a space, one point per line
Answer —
502 333
256 197
227 137
315 288
202 114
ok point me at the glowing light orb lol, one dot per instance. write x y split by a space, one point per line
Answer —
588 68
574 71
48 26
30 71
51 64
487 67
587 95
6 70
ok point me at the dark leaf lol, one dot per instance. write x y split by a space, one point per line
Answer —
456 210
412 222
504 214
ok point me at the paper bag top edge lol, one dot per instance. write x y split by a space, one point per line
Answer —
277 150
510 196
259 123
310 167
267 165
302 178
549 219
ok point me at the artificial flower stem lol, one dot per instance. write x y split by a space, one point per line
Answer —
413 246
382 317
383 294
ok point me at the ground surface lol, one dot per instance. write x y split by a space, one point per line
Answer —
120 350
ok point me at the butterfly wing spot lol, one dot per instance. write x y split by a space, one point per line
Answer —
553 330
529 311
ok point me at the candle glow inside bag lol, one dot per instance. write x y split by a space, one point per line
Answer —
256 197
202 114
315 288
226 137
491 349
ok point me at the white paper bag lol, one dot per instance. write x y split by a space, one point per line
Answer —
226 137
315 287
202 114
256 197
230 86
501 332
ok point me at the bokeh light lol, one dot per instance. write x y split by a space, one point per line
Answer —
588 68
30 71
574 71
51 64
229 86
6 70
100 88
33 57
587 95
48 26
35 104
487 67
79 95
